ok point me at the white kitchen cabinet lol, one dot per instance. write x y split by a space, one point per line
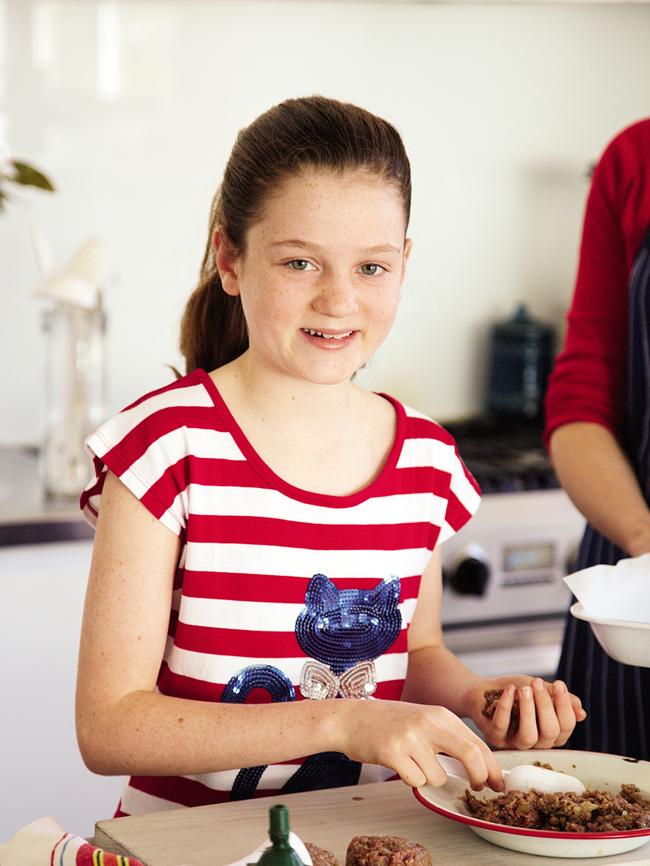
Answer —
43 587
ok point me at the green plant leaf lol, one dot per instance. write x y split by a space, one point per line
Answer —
27 175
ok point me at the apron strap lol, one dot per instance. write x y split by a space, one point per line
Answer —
638 372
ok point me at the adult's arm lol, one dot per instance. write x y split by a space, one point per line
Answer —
597 475
585 403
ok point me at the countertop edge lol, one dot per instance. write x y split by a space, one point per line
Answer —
44 531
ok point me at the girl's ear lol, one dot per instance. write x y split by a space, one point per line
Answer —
408 246
226 263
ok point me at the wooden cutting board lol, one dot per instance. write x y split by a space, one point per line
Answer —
217 835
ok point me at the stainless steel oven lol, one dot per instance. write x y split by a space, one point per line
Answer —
504 600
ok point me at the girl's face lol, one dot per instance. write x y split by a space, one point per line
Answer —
321 276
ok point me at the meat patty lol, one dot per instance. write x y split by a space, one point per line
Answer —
386 851
489 708
321 856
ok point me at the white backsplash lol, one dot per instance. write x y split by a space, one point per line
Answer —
132 108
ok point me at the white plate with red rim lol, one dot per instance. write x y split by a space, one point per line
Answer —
596 770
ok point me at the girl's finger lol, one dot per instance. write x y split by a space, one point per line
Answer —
576 703
501 718
425 758
564 709
481 766
527 734
411 774
548 725
475 755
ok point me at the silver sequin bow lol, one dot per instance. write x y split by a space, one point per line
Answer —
318 681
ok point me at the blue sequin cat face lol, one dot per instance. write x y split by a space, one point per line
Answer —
343 627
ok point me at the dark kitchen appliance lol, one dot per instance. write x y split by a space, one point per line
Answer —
519 363
504 454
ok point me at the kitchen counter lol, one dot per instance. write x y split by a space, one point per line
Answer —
26 515
217 835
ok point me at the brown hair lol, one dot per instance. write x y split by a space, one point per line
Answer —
310 132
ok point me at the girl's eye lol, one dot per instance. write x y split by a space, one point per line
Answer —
299 265
371 270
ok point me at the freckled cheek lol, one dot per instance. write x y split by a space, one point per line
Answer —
268 306
385 312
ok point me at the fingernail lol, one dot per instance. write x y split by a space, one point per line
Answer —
538 685
526 692
509 691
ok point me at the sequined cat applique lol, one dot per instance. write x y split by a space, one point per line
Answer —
342 632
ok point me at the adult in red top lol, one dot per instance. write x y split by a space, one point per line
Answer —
598 425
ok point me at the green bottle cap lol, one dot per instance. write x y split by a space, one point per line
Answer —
280 853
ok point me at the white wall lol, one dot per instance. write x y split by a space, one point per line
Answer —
132 108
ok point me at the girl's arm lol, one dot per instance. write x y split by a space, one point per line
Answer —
547 712
435 675
598 477
125 727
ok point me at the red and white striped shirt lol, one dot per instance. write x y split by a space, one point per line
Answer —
250 544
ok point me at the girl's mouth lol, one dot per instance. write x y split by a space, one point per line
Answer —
328 335
328 339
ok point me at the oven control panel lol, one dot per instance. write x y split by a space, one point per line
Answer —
510 559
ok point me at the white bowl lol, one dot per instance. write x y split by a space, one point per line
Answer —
596 770
625 641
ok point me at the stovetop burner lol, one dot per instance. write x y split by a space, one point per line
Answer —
503 454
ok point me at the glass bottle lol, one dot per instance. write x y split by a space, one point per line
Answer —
75 391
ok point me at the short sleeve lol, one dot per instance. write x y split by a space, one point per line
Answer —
464 496
145 446
588 382
588 379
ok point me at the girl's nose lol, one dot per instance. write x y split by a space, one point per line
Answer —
337 297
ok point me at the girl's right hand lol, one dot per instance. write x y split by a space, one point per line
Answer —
406 738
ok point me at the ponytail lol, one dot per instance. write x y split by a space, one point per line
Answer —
213 329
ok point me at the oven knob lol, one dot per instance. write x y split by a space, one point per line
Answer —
468 573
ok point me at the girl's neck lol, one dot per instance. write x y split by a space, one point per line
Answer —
330 439
276 396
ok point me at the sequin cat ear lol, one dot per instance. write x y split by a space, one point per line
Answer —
321 593
388 590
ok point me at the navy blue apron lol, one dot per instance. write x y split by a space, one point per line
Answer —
616 696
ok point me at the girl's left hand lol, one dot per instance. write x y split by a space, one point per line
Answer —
548 712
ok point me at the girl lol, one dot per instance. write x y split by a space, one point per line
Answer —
268 533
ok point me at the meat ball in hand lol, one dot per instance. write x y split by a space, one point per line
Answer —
522 712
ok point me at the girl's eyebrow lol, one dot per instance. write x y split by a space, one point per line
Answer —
295 242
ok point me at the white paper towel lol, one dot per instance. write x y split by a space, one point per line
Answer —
620 591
